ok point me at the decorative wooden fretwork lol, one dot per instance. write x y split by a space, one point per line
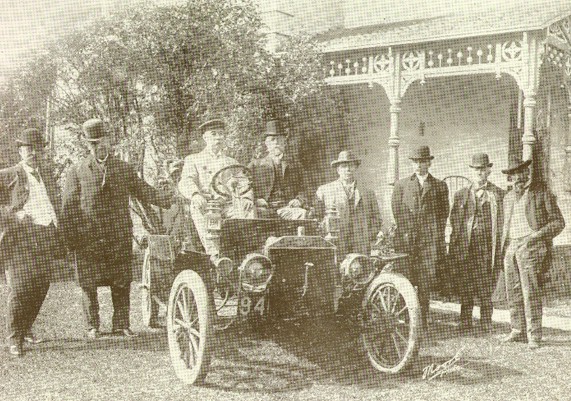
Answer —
561 31
397 68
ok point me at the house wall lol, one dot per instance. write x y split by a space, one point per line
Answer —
461 116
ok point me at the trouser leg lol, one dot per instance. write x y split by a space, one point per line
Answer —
513 289
425 278
15 308
90 305
529 260
36 300
121 305
28 285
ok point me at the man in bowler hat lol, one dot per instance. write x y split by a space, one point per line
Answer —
532 220
477 219
196 182
420 208
29 211
360 218
277 183
97 225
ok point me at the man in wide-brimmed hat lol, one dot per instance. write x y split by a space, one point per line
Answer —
29 212
360 218
477 219
97 225
420 208
277 182
532 220
196 182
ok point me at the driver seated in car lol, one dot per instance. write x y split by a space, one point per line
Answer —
196 183
277 183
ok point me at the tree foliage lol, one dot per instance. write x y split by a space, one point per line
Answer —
155 72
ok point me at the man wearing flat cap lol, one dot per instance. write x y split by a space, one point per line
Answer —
29 238
477 219
420 208
532 220
98 227
277 183
196 182
360 218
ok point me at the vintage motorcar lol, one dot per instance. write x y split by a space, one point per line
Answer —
274 269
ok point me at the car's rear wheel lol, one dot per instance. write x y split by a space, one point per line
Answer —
190 327
392 323
150 309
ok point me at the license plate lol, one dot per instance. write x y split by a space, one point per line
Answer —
251 303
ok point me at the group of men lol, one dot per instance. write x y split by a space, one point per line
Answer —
93 221
91 218
490 231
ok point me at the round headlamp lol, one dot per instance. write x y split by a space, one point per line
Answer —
255 272
223 267
357 268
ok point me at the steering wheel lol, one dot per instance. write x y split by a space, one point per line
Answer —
232 180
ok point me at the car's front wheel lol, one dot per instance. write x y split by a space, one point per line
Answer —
190 327
391 322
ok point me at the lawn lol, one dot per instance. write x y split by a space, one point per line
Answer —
304 361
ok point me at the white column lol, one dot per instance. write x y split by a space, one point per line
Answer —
528 139
394 141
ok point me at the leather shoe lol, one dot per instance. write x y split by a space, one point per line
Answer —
533 344
16 350
515 336
93 334
125 333
32 339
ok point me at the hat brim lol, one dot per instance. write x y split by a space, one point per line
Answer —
24 143
92 139
335 163
481 166
421 158
211 125
517 168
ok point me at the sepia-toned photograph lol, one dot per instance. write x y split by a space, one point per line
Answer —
285 200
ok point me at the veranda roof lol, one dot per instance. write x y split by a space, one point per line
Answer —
465 19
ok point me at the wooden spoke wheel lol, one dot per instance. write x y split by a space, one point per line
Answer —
392 323
190 327
150 309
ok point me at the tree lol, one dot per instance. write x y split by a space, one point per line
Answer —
155 72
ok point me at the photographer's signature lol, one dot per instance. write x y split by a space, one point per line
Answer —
433 371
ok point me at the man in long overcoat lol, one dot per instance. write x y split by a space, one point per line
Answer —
29 240
360 218
532 220
476 219
98 226
278 183
420 208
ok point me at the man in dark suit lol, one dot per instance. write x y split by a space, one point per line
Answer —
420 208
29 210
277 183
97 225
476 219
532 220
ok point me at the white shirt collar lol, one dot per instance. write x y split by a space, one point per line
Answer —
421 178
28 169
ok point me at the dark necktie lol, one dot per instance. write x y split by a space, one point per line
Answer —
36 175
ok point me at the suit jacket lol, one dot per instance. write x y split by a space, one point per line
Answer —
366 216
542 213
264 178
462 219
14 193
420 214
96 217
